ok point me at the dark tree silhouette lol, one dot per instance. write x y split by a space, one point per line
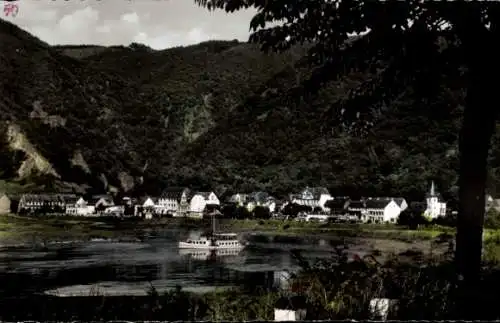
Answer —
412 217
261 212
242 213
292 209
407 45
229 210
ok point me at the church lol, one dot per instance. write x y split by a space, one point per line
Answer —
435 208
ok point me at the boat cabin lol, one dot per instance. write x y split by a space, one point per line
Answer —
217 239
225 236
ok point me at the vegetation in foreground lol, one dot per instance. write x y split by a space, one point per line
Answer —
334 289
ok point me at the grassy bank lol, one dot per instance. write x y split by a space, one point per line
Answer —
381 231
13 227
54 227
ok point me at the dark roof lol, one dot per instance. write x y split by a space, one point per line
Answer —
71 199
335 204
357 204
376 204
93 200
174 193
96 198
43 198
399 200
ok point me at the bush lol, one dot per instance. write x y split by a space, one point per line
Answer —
261 212
412 218
492 219
450 220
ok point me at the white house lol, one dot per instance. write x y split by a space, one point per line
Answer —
435 208
149 202
175 201
100 202
492 203
260 199
5 204
146 207
200 200
357 206
401 202
48 201
115 210
80 207
313 197
381 210
239 198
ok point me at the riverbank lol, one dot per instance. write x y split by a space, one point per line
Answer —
18 229
383 231
60 228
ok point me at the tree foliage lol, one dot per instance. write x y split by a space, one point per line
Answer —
405 45
243 136
412 217
261 212
492 219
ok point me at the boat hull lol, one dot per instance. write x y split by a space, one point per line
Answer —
186 245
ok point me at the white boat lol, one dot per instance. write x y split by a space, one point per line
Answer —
214 241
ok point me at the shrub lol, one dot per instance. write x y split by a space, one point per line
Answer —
412 218
492 219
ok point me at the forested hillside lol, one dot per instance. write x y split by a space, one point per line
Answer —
135 119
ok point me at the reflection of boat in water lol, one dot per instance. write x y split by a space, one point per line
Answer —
213 241
206 254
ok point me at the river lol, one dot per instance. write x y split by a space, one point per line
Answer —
124 268
131 268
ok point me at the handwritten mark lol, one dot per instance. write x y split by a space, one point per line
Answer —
10 8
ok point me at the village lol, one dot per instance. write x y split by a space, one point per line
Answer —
311 204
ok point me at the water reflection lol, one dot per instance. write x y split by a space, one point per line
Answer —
124 268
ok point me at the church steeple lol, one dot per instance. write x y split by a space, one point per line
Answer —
432 192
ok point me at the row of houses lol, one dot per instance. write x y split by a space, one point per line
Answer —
177 202
173 202
386 209
71 204
183 201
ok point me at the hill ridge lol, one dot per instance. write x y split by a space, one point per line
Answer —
206 116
